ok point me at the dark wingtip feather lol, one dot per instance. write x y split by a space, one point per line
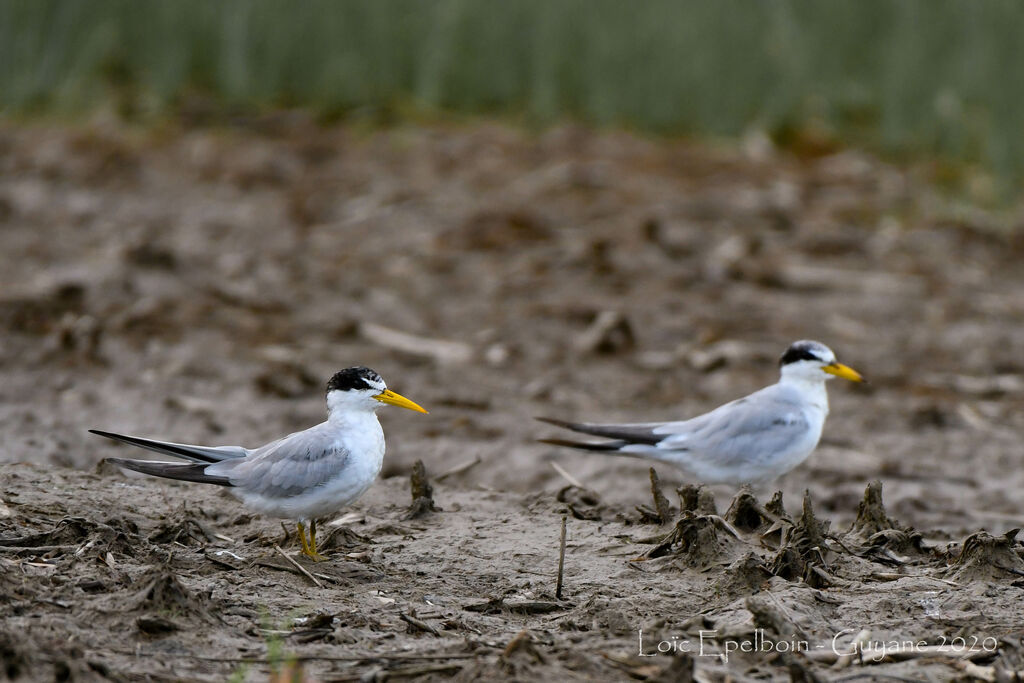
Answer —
172 470
195 454
585 445
623 434
123 438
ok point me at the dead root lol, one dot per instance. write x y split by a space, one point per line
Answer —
988 558
696 499
422 493
662 512
746 514
876 536
696 541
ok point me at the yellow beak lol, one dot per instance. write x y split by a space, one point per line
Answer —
393 399
846 372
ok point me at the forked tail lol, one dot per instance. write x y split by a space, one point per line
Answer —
206 454
172 470
603 446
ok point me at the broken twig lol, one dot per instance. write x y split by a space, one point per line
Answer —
561 561
568 477
418 624
298 566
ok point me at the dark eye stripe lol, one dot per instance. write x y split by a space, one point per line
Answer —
797 353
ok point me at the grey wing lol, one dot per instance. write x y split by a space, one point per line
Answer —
289 466
739 432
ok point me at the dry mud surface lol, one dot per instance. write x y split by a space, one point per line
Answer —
200 285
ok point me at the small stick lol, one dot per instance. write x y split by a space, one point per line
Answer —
568 477
418 623
947 581
561 561
298 566
725 525
459 469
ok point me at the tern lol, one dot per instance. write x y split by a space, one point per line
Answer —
752 440
302 476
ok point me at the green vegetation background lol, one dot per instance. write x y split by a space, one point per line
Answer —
907 77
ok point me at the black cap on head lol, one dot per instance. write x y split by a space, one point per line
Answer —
354 379
801 350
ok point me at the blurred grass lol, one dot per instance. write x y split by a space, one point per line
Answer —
914 77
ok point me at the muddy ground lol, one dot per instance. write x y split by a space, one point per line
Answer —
201 284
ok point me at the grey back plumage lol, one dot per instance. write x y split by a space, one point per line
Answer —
289 466
767 422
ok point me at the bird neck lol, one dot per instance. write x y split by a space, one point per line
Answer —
348 408
813 390
352 417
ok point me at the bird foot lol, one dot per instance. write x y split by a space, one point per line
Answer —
309 544
314 555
